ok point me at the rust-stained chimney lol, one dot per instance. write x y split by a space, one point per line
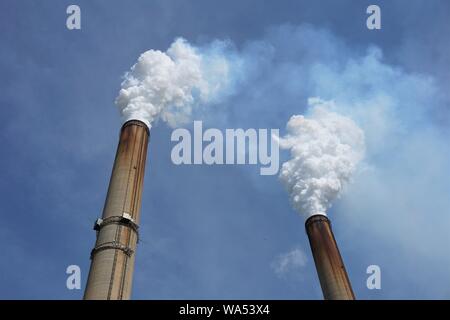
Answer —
330 267
111 272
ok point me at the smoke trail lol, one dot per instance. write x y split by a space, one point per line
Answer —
407 180
325 148
169 84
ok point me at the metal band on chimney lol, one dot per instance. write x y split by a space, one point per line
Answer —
120 220
113 245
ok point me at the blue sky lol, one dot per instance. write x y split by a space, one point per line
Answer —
219 231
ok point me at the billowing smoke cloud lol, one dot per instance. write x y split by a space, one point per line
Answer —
396 210
400 198
167 85
289 262
325 150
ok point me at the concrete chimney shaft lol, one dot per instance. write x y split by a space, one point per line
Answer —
111 273
330 267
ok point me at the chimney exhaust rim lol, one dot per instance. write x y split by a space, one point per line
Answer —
136 122
315 218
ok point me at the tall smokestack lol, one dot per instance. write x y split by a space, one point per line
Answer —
329 264
326 148
111 272
160 85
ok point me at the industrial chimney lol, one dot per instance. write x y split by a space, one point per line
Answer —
330 267
111 272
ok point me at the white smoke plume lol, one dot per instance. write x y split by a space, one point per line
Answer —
403 111
325 149
292 261
167 85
